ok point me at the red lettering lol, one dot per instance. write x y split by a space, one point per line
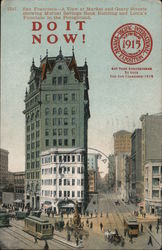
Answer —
67 25
70 37
49 26
53 40
80 24
38 39
36 26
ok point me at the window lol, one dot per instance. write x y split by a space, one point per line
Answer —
155 169
28 146
73 182
46 111
66 142
47 132
60 97
54 80
60 142
65 131
73 158
65 80
78 182
32 155
73 170
65 97
60 158
37 124
60 193
60 182
60 67
37 134
37 144
60 131
59 80
73 96
78 158
32 126
59 111
54 97
54 170
54 182
54 132
64 193
37 154
28 137
54 193
73 111
59 121
47 143
82 182
78 193
82 194
73 142
68 193
73 121
54 111
65 121
64 182
47 98
54 142
155 193
54 121
65 111
73 193
28 157
155 181
47 122
28 128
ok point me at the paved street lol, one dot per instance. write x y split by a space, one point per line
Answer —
112 217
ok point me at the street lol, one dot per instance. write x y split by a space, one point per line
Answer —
102 209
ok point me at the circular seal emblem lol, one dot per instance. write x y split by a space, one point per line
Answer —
131 43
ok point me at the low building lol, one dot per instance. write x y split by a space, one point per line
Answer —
153 187
62 178
3 170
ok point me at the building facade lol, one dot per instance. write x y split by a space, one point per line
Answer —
62 181
152 160
3 170
19 185
122 142
92 172
57 113
137 176
111 172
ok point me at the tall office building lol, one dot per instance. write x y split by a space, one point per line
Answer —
3 170
56 113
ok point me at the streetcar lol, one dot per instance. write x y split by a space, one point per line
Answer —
131 226
41 228
4 218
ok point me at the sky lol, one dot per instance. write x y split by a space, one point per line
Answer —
115 104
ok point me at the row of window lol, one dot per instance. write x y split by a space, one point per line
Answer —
33 155
61 131
32 115
63 170
60 121
33 165
32 102
33 125
65 182
60 80
60 142
61 97
60 111
19 190
156 170
64 194
33 175
63 158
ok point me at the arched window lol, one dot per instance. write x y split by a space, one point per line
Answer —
32 116
65 111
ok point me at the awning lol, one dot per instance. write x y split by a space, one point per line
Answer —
68 205
141 204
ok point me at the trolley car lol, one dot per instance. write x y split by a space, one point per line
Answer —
41 228
4 218
131 226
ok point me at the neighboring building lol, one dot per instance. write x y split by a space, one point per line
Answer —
122 142
111 172
19 185
122 146
62 178
152 160
3 170
56 112
122 163
8 198
137 176
92 172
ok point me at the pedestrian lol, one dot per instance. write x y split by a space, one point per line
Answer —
77 241
157 228
141 228
131 239
101 214
91 224
87 222
150 227
144 214
125 232
91 215
46 247
101 226
52 229
107 214
150 241
122 242
35 239
52 213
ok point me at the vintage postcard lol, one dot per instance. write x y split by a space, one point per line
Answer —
81 124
